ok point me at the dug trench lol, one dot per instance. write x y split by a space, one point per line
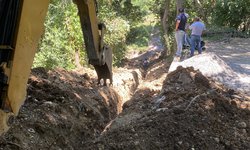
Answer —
67 109
183 109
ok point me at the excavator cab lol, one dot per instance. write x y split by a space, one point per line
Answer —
21 27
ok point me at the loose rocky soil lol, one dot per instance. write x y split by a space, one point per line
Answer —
145 109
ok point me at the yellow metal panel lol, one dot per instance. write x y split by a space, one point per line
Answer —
30 30
3 121
89 24
94 23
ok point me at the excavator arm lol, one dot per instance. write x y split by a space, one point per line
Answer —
100 56
21 26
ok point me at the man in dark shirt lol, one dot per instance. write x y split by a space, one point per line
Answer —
180 27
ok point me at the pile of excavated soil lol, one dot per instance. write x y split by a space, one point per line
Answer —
180 110
191 112
211 65
66 109
227 63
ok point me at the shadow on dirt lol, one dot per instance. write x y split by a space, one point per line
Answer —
235 53
191 112
63 110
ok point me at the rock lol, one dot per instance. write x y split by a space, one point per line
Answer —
137 142
244 131
237 97
180 142
217 140
86 76
234 103
242 125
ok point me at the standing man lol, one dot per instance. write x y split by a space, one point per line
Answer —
197 28
180 26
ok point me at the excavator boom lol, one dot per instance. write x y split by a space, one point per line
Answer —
21 26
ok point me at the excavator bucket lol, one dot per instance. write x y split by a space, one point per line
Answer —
104 71
100 56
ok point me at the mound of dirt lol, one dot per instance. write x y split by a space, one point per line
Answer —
191 112
63 110
227 63
179 110
214 67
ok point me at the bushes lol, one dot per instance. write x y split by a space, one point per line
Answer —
232 13
62 37
117 30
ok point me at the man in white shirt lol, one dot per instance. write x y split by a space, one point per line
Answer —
197 29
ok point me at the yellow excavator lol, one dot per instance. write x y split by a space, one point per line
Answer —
21 27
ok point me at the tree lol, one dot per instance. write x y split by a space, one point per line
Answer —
232 13
166 9
62 40
165 26
165 18
179 4
62 44
117 26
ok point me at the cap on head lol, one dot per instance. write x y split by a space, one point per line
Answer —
181 10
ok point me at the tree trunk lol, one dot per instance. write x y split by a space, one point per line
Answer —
201 11
179 4
165 26
165 23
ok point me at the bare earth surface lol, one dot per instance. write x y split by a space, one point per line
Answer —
147 108
228 63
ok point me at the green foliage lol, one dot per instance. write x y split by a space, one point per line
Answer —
117 28
138 38
144 5
158 8
62 37
201 9
231 13
226 14
139 35
128 10
125 24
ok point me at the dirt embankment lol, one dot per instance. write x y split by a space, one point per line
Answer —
191 112
66 110
180 110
